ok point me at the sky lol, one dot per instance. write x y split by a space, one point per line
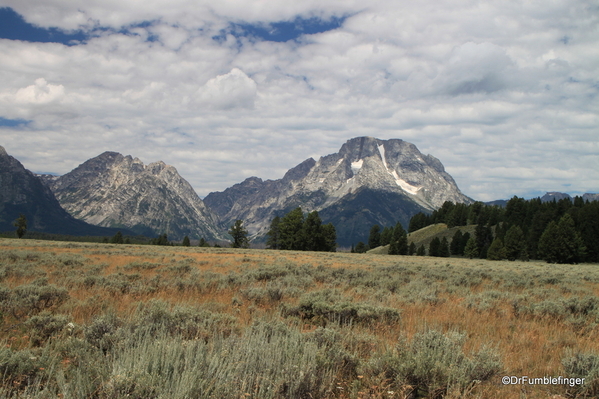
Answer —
504 94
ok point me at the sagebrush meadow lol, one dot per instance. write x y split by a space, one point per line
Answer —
84 320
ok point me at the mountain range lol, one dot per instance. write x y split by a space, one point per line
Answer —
368 181
21 192
113 190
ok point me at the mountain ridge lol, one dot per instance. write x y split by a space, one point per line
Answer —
22 192
116 190
365 169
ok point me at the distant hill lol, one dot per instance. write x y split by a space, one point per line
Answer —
425 235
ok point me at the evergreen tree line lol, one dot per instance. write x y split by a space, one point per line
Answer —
561 231
300 232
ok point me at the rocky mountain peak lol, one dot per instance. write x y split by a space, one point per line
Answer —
21 192
390 174
116 190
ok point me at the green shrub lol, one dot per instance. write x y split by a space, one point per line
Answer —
20 368
45 325
583 365
435 364
326 306
29 299
185 321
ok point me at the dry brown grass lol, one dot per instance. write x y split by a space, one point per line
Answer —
532 346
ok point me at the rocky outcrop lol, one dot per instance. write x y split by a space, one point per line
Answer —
116 190
380 181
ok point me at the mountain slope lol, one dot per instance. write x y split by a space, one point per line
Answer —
116 190
22 192
368 181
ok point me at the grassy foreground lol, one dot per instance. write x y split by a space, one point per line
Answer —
81 320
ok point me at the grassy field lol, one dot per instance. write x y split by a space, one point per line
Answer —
81 320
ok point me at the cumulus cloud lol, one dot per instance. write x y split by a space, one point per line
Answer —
231 90
40 93
505 95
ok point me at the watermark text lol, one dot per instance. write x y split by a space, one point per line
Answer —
514 380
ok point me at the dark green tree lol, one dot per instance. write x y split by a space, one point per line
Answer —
399 241
386 235
290 229
21 225
412 248
444 248
496 250
561 243
330 237
117 238
374 239
515 244
463 243
160 240
471 249
421 251
434 247
418 221
360 248
203 243
186 242
483 235
456 242
313 238
589 229
274 233
239 234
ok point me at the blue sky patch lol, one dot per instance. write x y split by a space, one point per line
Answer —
12 122
285 30
14 27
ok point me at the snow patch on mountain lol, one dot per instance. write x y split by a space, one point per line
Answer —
356 166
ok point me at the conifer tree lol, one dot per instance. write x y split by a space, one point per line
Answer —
360 247
386 235
412 248
186 242
434 247
329 238
374 239
514 244
239 234
455 243
21 225
561 243
274 233
444 248
471 249
496 250
117 238
290 229
421 251
399 241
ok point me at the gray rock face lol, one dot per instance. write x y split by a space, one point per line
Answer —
362 164
21 192
116 190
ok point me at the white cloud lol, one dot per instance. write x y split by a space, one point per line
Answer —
40 93
231 90
505 95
